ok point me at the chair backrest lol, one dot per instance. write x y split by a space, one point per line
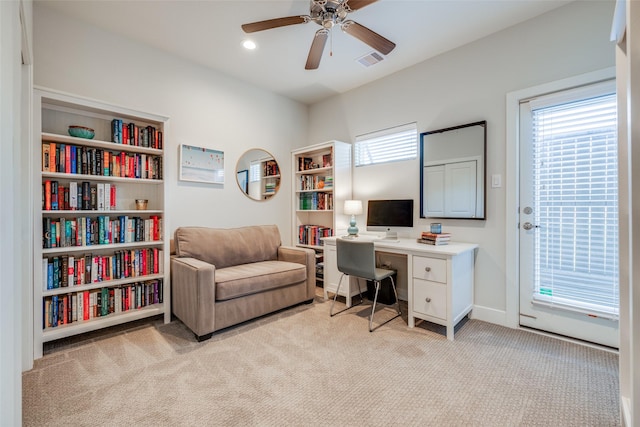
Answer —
356 258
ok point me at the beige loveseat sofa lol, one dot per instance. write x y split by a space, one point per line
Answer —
222 277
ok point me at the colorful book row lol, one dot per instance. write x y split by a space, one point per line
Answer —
69 270
315 182
100 230
312 234
316 201
270 187
306 163
81 306
271 168
132 134
72 159
78 196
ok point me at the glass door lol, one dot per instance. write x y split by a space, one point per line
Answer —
569 214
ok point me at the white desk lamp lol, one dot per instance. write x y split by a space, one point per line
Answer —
353 208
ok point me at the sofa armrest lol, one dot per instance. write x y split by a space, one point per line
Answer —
304 256
193 294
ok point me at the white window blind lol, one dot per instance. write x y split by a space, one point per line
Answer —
388 145
254 172
576 199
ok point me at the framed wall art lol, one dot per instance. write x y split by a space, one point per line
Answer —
199 164
243 180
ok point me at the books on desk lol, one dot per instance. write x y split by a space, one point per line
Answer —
429 238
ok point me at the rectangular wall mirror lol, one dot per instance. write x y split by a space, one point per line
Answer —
452 172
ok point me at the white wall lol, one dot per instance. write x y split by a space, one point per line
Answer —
15 88
462 86
205 108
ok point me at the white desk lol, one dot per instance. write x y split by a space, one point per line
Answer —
440 278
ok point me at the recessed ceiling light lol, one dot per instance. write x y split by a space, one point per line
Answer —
249 44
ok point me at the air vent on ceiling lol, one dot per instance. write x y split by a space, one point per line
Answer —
370 59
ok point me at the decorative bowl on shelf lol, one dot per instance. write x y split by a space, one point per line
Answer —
81 132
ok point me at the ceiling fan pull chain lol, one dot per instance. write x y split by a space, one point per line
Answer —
331 42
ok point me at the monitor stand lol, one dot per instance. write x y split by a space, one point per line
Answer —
391 236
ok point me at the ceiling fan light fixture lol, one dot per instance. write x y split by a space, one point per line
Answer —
327 14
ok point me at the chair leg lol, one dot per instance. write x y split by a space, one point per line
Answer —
373 308
331 313
335 295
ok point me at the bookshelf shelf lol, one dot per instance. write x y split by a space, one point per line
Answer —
120 271
321 182
101 247
109 212
314 171
83 177
318 190
71 329
107 145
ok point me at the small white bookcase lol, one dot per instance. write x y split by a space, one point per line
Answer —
321 182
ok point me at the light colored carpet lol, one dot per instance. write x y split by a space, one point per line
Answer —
302 368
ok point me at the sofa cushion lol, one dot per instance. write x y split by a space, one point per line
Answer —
227 247
246 279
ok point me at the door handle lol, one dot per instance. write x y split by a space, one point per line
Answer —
529 226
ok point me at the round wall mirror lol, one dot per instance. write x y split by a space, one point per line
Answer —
258 174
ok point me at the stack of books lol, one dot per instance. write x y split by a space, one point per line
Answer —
429 238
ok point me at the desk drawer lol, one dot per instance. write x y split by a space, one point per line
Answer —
430 298
433 269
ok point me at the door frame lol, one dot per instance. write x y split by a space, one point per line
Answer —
512 196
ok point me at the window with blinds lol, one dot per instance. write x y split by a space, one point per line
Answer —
576 200
254 172
388 145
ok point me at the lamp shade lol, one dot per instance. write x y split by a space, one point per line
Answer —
352 207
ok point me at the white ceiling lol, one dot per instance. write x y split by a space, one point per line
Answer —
208 32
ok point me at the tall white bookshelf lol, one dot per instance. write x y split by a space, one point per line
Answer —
321 183
115 253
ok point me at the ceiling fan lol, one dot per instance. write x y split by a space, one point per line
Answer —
327 14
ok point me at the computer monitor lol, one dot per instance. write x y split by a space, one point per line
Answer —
389 216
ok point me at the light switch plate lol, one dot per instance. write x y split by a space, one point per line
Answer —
496 181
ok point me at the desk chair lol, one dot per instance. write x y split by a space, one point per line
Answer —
358 259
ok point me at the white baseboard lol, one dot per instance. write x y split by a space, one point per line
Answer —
490 315
625 411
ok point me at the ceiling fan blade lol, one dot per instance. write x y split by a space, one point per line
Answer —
274 23
369 37
358 4
317 47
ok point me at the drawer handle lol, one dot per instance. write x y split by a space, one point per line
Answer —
428 299
427 269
